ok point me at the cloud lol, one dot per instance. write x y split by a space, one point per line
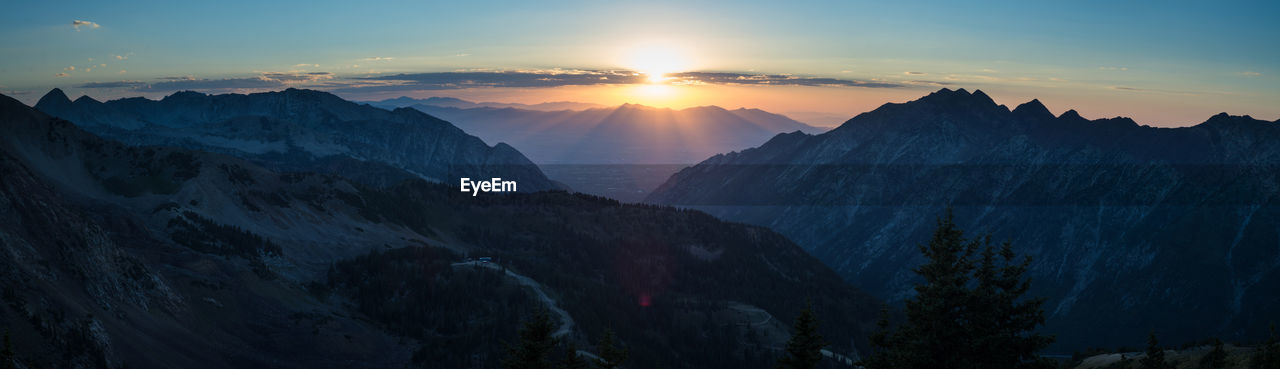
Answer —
378 58
207 84
69 68
307 65
529 78
60 75
915 73
730 78
288 77
122 71
971 77
930 83
83 23
587 77
120 57
1250 74
117 84
1113 68
1155 91
463 79
264 81
1123 88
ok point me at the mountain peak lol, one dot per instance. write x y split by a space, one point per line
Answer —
85 99
55 97
1033 109
1228 120
959 97
1071 115
185 94
710 108
630 106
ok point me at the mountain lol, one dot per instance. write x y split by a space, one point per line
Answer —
621 152
626 134
1132 228
303 130
453 102
116 255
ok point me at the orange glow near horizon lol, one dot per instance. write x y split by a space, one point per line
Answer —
653 94
830 106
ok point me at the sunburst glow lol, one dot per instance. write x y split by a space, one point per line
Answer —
656 60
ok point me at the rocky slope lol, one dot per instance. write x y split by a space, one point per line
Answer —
1132 228
303 130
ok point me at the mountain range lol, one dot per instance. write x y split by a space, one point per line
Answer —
1132 229
620 152
453 102
303 130
115 254
626 134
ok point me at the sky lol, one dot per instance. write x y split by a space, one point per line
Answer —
1167 63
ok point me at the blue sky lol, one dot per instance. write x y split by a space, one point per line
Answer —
1164 63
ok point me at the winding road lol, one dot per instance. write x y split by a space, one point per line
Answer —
566 322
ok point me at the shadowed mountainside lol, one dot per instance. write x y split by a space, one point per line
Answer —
1132 228
114 255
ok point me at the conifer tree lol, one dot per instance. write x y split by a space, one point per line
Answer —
611 356
1267 356
571 359
6 354
535 345
1215 359
804 350
1155 355
970 311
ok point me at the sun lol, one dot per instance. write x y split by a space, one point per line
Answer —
656 60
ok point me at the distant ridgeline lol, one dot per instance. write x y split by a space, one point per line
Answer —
303 130
1133 228
626 134
621 152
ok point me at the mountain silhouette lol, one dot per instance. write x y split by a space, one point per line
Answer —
1131 227
304 130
